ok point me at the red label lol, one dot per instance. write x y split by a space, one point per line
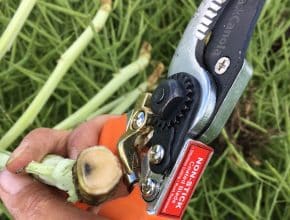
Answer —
186 179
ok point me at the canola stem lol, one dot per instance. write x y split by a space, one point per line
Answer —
63 65
129 100
15 25
119 79
108 107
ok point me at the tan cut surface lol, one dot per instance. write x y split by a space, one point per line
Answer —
98 170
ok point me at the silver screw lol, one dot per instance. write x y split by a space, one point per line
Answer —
156 154
222 65
139 120
149 189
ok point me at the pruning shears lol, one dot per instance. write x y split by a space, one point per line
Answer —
163 147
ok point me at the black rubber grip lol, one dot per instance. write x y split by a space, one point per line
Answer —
230 37
229 40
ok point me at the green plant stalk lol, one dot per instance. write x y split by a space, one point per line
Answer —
53 170
129 100
121 104
64 63
4 157
15 25
108 107
119 79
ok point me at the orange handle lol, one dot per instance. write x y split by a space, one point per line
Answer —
131 207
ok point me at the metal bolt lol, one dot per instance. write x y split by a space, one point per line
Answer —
149 189
222 65
139 120
156 154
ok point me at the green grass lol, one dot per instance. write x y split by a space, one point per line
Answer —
249 177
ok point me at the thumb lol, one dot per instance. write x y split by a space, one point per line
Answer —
29 199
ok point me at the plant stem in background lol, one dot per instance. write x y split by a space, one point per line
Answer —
64 63
120 78
15 25
150 84
108 107
122 104
129 100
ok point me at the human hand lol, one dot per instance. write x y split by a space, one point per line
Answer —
29 199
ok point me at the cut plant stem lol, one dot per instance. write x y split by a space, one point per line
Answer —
131 97
155 76
64 63
52 170
98 173
108 107
120 78
91 178
129 100
15 25
4 157
55 171
121 104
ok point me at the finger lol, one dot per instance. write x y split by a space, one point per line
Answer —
28 199
36 145
86 135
